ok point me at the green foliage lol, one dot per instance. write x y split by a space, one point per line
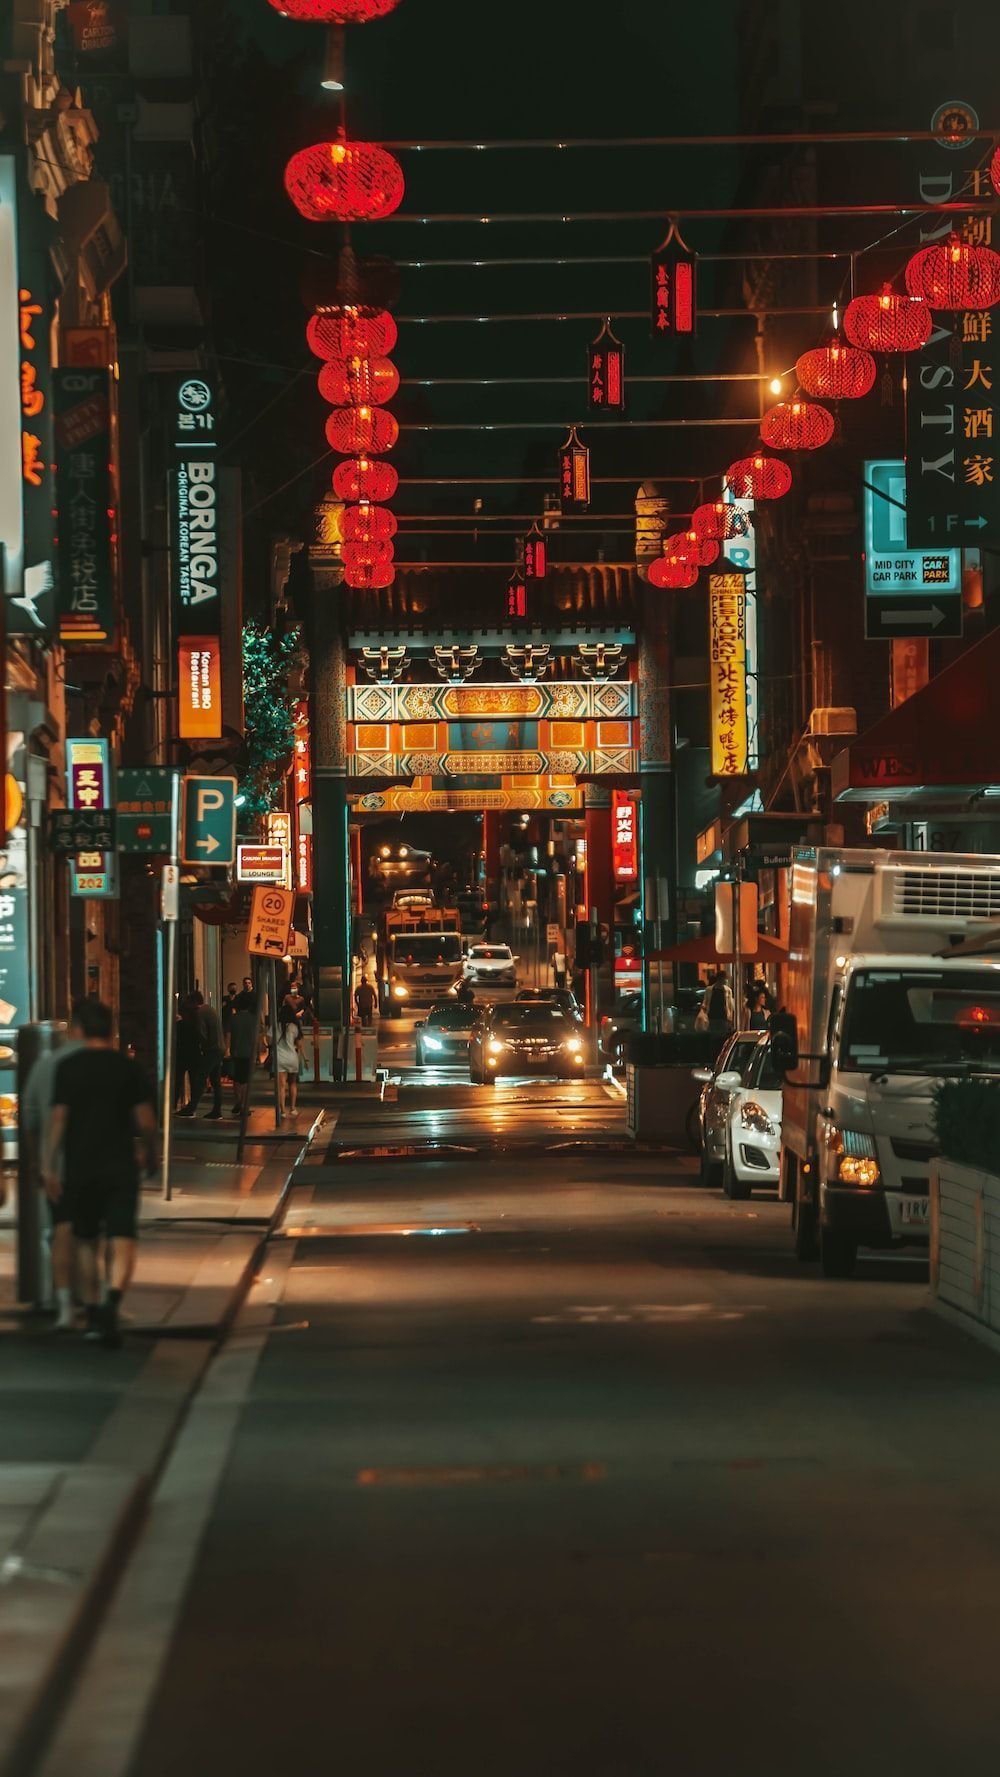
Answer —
967 1114
267 659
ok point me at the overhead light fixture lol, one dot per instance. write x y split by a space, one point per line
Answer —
775 385
333 60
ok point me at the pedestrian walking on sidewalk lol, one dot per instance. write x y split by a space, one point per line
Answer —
101 1102
187 1051
288 1056
242 1045
35 1106
210 1070
559 967
365 1000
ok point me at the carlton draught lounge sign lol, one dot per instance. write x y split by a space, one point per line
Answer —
195 561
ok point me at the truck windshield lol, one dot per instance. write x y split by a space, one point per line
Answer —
427 947
922 1019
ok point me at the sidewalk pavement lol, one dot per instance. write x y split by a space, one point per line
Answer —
84 1432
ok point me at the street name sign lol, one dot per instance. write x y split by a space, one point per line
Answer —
908 592
208 824
271 922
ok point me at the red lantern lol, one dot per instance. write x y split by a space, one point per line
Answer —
797 425
758 478
366 523
888 322
358 381
370 578
344 182
690 548
836 372
352 430
664 572
995 172
363 478
351 330
334 12
719 519
953 275
375 553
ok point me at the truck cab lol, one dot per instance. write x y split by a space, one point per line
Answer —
877 1014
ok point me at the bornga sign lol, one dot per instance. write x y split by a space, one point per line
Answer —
197 551
889 566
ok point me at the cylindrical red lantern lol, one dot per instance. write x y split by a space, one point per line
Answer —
720 519
334 12
364 478
888 322
667 573
758 478
953 275
366 523
353 430
836 372
797 425
358 381
344 182
372 553
349 330
371 577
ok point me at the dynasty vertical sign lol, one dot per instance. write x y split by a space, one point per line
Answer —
728 674
195 563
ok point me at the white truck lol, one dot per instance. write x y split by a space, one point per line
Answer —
875 1014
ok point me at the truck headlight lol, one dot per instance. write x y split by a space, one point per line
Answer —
753 1116
399 991
855 1156
574 1045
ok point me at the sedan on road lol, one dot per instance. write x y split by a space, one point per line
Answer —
745 1118
531 1039
443 1036
492 965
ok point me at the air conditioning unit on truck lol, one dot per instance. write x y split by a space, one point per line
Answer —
876 1013
419 957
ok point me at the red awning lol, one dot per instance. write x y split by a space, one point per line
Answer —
702 950
946 736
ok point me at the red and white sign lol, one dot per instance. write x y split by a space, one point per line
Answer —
624 836
261 863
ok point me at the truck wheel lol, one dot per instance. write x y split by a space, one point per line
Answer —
804 1228
838 1254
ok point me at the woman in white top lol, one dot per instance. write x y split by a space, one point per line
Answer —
289 1056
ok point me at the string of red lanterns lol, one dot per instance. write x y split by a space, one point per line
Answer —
953 275
720 520
348 330
888 322
358 381
334 12
836 372
354 431
758 478
364 478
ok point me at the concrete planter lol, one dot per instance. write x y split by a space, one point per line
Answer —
659 1101
965 1244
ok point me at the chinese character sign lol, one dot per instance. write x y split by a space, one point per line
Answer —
606 375
535 563
301 753
27 493
728 674
517 598
624 836
88 770
574 475
85 601
673 288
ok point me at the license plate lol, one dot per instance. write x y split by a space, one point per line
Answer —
915 1212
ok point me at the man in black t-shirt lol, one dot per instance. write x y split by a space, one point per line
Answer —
100 1103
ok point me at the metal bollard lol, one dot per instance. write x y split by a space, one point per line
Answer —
34 1268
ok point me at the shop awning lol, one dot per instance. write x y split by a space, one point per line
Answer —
702 950
943 738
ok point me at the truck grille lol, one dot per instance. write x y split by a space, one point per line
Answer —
944 896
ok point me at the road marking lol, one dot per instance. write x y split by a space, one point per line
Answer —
479 1474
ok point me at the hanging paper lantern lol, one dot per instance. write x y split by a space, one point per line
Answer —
358 381
352 430
366 523
797 425
334 12
374 554
691 548
344 182
758 478
995 172
364 478
675 575
953 275
351 330
719 520
369 578
888 322
836 372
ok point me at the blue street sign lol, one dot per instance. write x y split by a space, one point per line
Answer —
208 820
909 592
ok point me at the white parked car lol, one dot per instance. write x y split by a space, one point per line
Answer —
741 1117
492 964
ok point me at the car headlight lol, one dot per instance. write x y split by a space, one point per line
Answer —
574 1045
753 1116
854 1156
495 1046
399 991
433 1043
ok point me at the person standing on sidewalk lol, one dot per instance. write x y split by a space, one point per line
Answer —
243 1036
210 1032
34 1111
100 1103
365 1000
288 1057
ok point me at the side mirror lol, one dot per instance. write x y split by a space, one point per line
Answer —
701 1074
515 959
729 1080
784 1052
420 1024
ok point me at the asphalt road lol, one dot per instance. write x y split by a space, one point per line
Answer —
569 1468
